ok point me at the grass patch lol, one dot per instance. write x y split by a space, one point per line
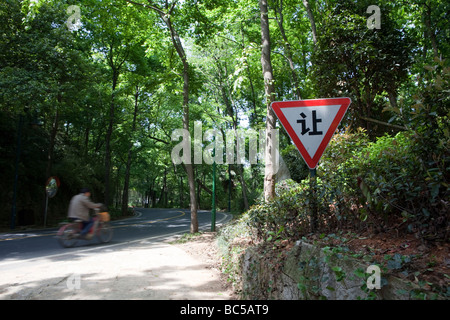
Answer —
186 237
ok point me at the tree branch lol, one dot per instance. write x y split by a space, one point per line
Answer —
150 6
172 7
384 123
204 187
154 7
157 139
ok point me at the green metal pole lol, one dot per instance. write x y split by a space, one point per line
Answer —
213 209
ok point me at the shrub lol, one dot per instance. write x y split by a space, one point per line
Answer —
294 161
382 184
232 242
390 183
284 217
287 216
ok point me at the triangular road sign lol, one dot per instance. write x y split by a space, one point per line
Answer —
311 124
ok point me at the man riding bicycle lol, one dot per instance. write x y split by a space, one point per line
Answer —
79 210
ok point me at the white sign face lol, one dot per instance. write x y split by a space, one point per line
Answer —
311 124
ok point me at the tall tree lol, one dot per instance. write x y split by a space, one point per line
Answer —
166 11
279 17
312 21
113 33
269 174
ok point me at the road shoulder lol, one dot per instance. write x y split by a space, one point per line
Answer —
203 248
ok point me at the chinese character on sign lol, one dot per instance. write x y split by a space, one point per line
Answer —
305 129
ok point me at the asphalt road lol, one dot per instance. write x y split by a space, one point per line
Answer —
137 264
150 224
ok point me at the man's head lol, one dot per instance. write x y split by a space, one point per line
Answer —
86 192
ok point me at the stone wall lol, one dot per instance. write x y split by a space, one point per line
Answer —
310 272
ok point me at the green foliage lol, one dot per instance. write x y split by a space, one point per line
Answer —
186 237
296 165
408 173
361 184
231 243
385 182
286 217
353 60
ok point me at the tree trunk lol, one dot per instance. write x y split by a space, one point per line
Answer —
229 103
287 48
311 20
429 30
189 167
240 169
269 175
115 60
130 153
107 194
53 134
162 202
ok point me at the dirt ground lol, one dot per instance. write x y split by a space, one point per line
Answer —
204 248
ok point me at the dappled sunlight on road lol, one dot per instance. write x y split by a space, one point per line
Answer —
142 271
15 236
137 264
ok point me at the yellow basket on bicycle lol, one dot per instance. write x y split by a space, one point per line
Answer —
104 216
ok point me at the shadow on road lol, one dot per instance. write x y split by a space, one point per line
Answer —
142 271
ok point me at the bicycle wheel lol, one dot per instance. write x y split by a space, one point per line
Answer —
68 235
104 232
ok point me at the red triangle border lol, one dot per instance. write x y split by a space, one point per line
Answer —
278 105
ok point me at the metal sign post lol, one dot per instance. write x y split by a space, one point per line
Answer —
213 209
313 199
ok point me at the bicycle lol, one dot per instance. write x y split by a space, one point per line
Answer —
69 232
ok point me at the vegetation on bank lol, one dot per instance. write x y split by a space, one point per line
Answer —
394 188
